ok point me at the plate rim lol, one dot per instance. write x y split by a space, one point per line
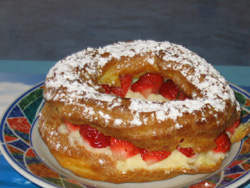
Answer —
30 176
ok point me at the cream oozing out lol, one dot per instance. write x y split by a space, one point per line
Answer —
175 160
214 87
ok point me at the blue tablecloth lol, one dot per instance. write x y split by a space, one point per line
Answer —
12 71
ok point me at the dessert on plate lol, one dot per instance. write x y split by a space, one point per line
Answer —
138 111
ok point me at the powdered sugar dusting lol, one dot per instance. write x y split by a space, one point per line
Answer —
118 122
74 79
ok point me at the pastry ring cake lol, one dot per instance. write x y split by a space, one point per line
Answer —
138 111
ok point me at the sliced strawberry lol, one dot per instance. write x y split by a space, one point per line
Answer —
107 88
233 127
189 152
223 143
125 81
71 127
151 157
122 150
170 91
147 84
95 138
182 96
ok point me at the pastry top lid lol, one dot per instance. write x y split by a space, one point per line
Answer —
72 79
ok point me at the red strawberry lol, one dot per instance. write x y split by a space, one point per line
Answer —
125 81
223 143
95 138
151 157
147 84
122 150
182 96
233 127
107 88
189 152
71 127
170 91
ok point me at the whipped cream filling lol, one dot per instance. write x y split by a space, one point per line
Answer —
76 139
151 97
175 160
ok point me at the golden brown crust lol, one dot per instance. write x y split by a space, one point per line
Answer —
82 169
73 93
153 134
87 164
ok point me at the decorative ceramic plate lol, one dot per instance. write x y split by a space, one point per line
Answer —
25 151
